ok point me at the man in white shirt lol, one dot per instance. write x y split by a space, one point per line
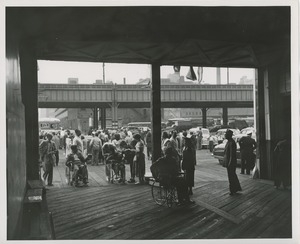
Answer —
77 141
96 146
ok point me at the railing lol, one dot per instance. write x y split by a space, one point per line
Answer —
138 86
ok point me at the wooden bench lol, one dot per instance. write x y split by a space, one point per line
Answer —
37 221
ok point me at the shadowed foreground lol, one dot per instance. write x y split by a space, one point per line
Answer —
119 212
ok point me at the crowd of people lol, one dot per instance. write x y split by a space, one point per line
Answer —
178 152
102 146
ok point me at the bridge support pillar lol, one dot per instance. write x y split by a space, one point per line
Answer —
204 117
225 116
114 114
156 112
103 118
114 107
95 113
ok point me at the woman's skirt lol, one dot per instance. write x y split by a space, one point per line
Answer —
189 177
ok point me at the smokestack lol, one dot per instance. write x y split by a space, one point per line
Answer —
124 80
218 76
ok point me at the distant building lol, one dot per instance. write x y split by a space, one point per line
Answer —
174 78
47 112
99 82
216 112
244 80
72 80
42 113
170 113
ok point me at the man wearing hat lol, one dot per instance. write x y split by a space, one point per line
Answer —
47 150
230 163
247 146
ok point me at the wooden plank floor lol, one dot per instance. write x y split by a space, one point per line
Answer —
119 212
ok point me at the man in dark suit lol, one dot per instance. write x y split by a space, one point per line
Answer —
230 163
247 146
47 151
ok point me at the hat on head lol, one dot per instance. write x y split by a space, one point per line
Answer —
49 135
229 132
249 133
188 136
137 136
73 147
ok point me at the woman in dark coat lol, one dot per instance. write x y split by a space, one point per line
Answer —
230 163
188 163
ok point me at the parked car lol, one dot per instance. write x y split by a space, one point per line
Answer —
205 135
244 132
133 129
144 129
218 151
221 134
218 127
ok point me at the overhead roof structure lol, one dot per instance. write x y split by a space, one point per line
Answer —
183 35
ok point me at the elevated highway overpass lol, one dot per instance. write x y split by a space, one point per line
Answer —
115 96
138 96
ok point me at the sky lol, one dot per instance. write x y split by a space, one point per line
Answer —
88 73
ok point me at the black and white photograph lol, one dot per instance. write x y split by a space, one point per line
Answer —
142 121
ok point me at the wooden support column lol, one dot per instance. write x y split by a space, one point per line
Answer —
261 124
204 117
29 85
225 116
156 112
162 114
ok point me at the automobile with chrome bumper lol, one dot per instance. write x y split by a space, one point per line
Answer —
218 151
